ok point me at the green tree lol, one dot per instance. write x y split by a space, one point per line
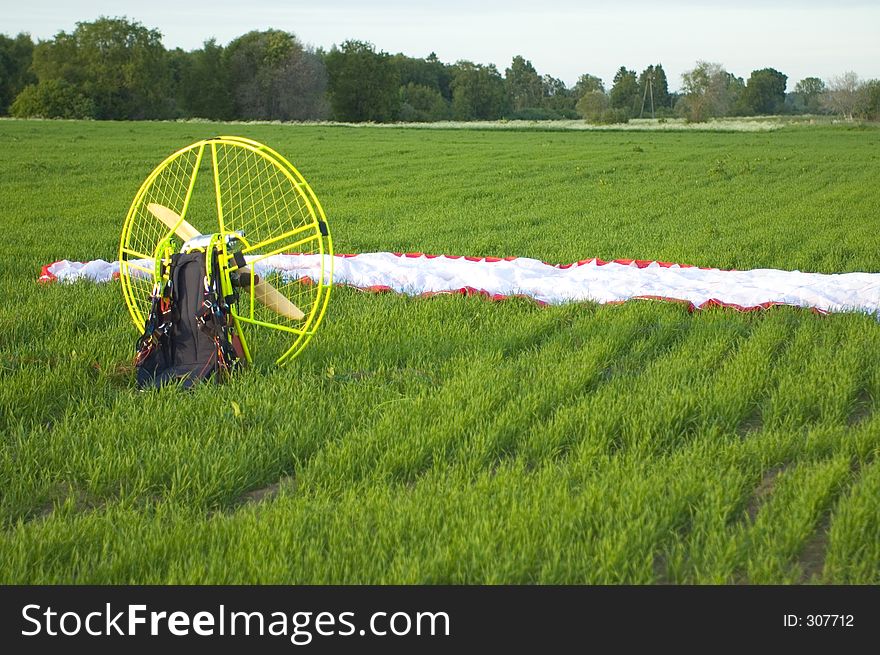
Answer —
524 86
810 90
15 64
625 90
764 92
118 64
364 84
661 87
444 75
708 90
204 88
272 76
558 98
429 72
730 95
478 92
178 64
587 83
696 101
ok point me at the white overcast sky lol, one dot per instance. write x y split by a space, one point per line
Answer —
561 37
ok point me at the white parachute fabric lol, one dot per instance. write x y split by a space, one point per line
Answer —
68 271
589 280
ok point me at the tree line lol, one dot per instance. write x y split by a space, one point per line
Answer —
113 68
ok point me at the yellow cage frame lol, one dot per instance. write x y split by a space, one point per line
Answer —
320 232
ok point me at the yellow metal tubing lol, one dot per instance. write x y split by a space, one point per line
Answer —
321 294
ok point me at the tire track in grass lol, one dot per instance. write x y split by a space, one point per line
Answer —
811 560
469 438
452 429
822 375
839 437
624 540
862 408
713 472
848 376
862 445
718 549
673 524
714 552
654 340
411 436
663 411
798 506
864 403
711 550
712 469
560 377
460 470
853 552
748 469
735 398
689 492
642 508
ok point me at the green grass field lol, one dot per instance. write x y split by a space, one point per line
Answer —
454 440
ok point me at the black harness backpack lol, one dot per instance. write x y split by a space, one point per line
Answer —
188 336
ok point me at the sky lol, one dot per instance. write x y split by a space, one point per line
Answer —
563 38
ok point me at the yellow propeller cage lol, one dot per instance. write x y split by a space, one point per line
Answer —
255 190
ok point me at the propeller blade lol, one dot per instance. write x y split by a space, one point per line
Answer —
274 300
263 291
174 222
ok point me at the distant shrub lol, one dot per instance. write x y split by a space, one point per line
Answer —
693 110
409 114
613 117
595 107
535 114
422 104
52 99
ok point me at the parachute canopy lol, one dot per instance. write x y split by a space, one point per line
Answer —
590 280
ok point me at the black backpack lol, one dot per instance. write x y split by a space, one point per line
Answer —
188 336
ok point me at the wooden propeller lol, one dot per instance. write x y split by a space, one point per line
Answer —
263 291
